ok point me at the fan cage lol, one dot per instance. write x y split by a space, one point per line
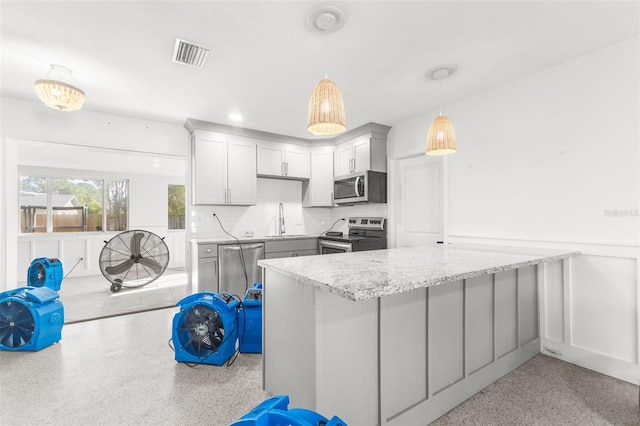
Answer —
134 258
205 331
17 323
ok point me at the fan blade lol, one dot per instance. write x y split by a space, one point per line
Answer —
196 344
17 340
135 243
36 274
118 269
24 332
152 263
4 333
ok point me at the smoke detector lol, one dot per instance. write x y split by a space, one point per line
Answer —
325 19
190 54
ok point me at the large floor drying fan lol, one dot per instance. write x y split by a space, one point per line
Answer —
31 318
45 272
133 259
205 331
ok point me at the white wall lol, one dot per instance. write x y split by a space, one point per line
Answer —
32 121
553 160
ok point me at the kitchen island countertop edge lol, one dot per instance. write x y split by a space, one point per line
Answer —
377 273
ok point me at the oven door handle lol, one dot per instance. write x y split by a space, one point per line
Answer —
335 244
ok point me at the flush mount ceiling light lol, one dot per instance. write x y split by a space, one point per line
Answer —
326 106
58 90
441 137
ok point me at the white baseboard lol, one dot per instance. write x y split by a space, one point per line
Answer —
623 370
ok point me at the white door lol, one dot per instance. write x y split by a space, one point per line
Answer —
344 155
241 171
418 201
209 170
298 161
321 181
270 159
362 153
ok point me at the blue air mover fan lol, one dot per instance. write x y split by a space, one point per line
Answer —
31 318
273 411
45 272
205 331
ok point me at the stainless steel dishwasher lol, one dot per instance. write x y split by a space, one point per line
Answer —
231 277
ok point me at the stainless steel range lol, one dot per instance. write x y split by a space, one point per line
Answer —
365 233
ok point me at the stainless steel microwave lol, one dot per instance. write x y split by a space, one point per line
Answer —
361 187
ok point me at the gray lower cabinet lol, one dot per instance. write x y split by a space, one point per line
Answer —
291 248
402 359
208 267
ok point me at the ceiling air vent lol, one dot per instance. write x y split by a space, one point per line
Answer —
187 53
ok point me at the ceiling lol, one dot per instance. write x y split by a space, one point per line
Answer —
265 60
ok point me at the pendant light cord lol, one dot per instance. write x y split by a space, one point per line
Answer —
440 96
326 49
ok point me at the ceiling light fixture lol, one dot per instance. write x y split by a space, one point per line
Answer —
441 137
58 90
326 106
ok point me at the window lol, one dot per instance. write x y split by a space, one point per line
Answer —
176 207
54 204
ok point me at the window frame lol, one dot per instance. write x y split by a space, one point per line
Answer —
50 175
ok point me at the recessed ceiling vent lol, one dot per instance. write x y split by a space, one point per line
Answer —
191 54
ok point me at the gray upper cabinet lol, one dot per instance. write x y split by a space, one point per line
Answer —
223 169
283 160
318 190
364 152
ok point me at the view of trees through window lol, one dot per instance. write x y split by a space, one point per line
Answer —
176 207
53 204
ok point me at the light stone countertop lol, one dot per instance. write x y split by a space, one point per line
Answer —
376 273
248 240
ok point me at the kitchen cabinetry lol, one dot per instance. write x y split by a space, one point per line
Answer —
223 169
364 152
283 160
410 350
220 269
208 267
318 190
290 248
209 255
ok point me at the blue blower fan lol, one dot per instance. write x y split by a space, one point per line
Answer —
205 331
31 318
274 412
45 272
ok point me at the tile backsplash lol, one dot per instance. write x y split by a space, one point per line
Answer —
262 219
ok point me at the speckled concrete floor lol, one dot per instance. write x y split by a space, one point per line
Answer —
546 391
121 371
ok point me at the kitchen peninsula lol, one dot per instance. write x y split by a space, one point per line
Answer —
400 336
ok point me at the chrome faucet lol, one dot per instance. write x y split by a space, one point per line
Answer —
281 229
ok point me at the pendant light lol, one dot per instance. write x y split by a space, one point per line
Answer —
58 90
326 106
441 137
